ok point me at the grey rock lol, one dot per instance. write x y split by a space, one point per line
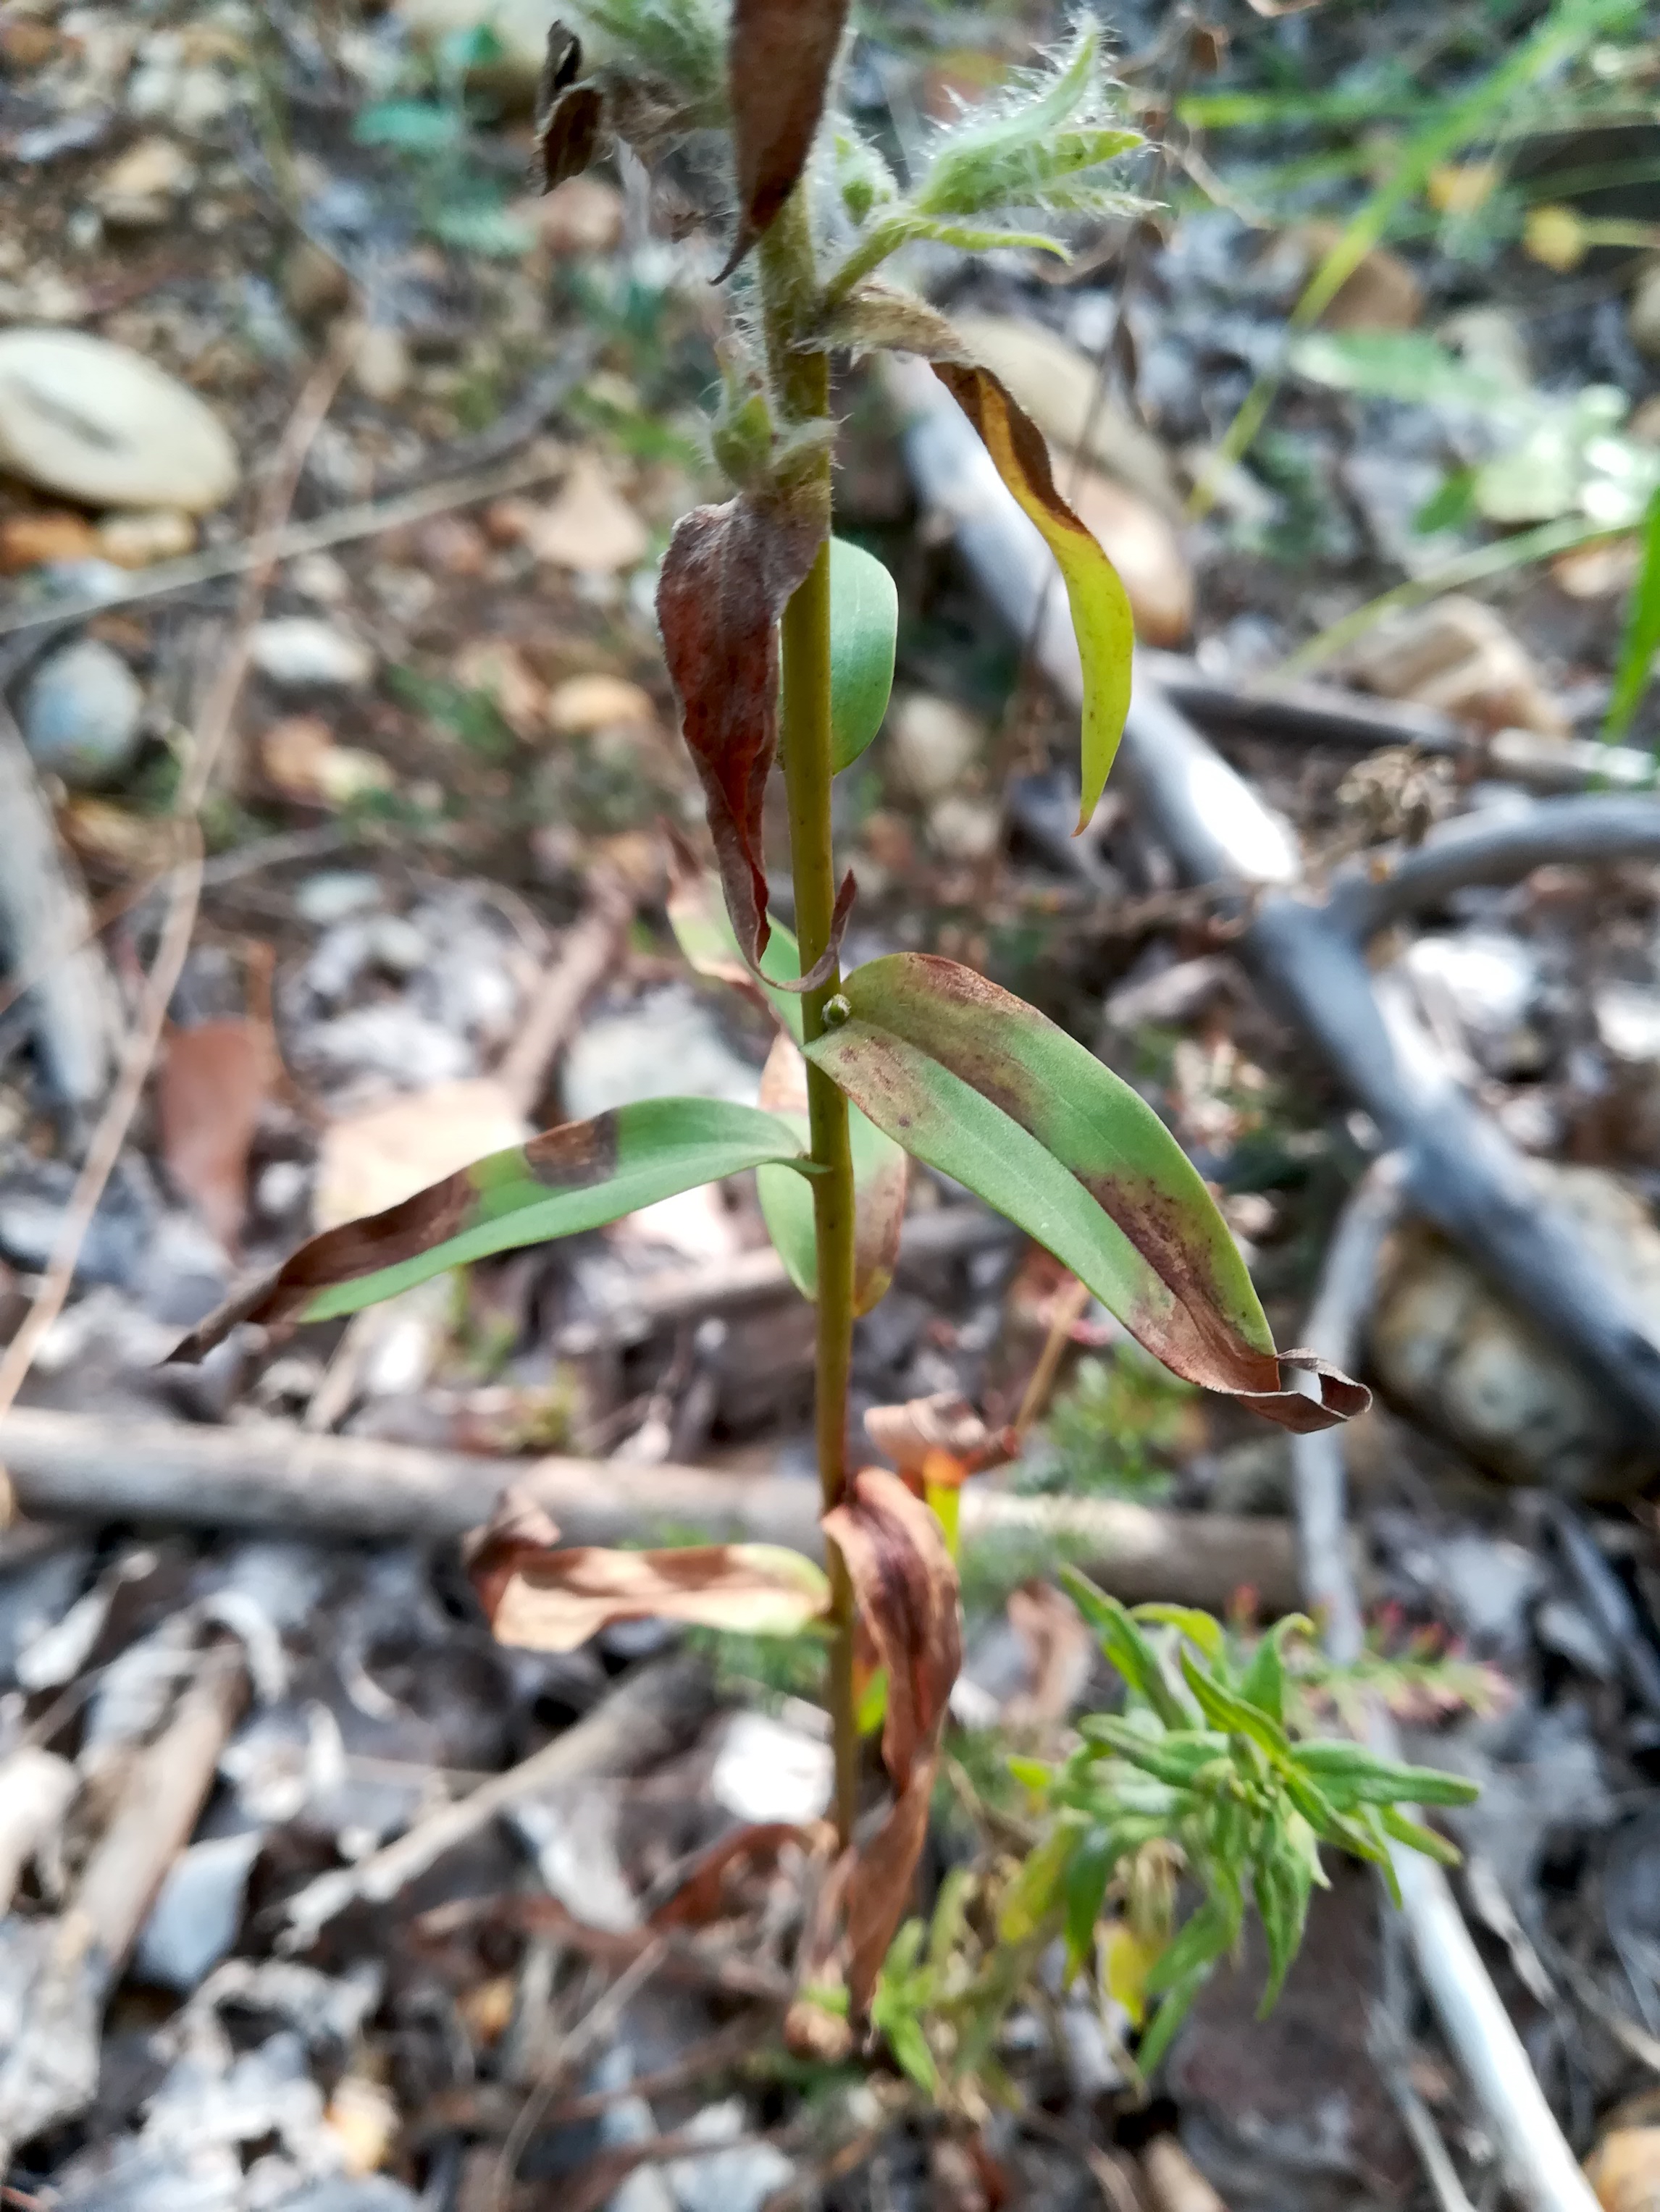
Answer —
736 2180
666 1042
82 715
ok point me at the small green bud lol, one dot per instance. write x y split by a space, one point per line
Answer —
836 1011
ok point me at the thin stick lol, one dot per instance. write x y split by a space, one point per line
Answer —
273 543
1069 1309
185 892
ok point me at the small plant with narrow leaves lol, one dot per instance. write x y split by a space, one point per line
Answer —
780 642
1202 1757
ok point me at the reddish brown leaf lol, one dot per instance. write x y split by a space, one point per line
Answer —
545 1598
939 1440
780 59
725 579
880 1886
905 1582
214 1082
701 1896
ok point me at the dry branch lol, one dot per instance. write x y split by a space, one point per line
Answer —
269 1475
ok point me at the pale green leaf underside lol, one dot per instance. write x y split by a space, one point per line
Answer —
864 626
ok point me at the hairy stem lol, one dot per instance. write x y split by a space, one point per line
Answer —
800 383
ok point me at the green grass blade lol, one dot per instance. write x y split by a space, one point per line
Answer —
1641 641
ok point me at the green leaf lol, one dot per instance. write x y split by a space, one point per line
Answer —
1263 1684
1410 366
567 1180
481 227
982 1087
1129 1651
1201 1941
1233 1715
881 1172
1417 1838
1036 152
415 126
1083 1890
1161 2033
1202 1629
1349 1774
864 630
1641 641
1175 1760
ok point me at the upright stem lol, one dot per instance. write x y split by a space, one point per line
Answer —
801 390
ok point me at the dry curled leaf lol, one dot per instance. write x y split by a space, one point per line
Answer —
939 1440
727 576
904 1583
544 1597
780 59
214 1082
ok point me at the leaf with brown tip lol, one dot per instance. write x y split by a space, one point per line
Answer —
1101 615
725 579
779 63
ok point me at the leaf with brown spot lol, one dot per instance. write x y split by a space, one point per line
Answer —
939 1440
213 1085
579 1177
543 1598
779 62
984 1088
880 1886
726 577
881 1172
1101 615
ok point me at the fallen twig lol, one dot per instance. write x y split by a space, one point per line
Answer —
47 930
61 1971
269 1475
588 953
647 1717
1537 2162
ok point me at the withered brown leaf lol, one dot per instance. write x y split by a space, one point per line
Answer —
726 577
940 1439
569 114
779 63
214 1082
904 1583
544 1597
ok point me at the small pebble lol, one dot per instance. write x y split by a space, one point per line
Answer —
382 368
933 745
83 714
332 894
300 653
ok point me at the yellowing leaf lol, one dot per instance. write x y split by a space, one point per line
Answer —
1127 1960
1101 615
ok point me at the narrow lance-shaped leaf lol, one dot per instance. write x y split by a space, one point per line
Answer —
726 577
985 1089
1101 615
544 1597
881 1170
780 59
567 1180
864 626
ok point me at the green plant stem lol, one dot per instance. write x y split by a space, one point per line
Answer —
800 383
